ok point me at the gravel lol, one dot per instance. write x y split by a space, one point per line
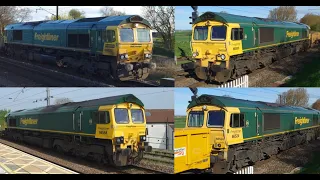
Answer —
265 77
287 161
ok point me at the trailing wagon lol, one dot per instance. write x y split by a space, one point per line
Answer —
223 135
226 46
110 130
119 47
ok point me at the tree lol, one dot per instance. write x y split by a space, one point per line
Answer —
284 13
316 105
311 20
62 16
161 19
294 97
13 14
109 11
72 14
3 114
76 14
62 101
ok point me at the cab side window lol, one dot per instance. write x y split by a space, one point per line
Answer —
237 34
111 36
237 120
101 117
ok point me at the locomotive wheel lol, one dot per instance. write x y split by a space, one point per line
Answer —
220 167
222 76
200 72
143 73
58 149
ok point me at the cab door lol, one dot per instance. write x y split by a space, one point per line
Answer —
104 128
110 37
77 120
255 33
258 117
93 39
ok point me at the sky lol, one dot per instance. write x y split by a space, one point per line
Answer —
90 11
23 98
183 13
183 95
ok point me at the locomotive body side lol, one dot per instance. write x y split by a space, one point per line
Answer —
113 131
226 46
120 46
235 125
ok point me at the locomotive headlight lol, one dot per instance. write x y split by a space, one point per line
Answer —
143 138
204 107
223 57
122 57
119 140
126 56
147 55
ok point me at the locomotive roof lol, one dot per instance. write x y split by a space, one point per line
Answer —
231 18
83 23
225 102
84 104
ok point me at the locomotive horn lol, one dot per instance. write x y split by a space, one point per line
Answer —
195 8
194 91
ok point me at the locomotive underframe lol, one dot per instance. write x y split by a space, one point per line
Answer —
247 153
84 61
99 150
249 61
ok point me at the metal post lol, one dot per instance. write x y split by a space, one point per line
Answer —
167 134
57 14
48 97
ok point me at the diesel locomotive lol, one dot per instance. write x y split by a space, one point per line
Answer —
226 46
117 47
223 134
110 130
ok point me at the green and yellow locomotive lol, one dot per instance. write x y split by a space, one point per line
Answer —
226 46
119 47
224 134
110 130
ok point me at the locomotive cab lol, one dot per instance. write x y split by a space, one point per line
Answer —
212 44
221 127
127 131
131 44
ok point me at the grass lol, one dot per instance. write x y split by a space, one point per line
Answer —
309 76
312 167
159 49
179 121
182 43
1 124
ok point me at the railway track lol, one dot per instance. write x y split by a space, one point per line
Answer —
21 73
79 165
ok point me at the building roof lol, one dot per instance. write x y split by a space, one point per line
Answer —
231 18
224 102
160 115
74 105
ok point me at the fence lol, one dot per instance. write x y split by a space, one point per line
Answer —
237 83
246 170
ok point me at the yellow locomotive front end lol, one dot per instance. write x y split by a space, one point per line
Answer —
126 131
132 46
206 138
212 46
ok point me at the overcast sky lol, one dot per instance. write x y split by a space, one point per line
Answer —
183 13
183 95
15 99
90 11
